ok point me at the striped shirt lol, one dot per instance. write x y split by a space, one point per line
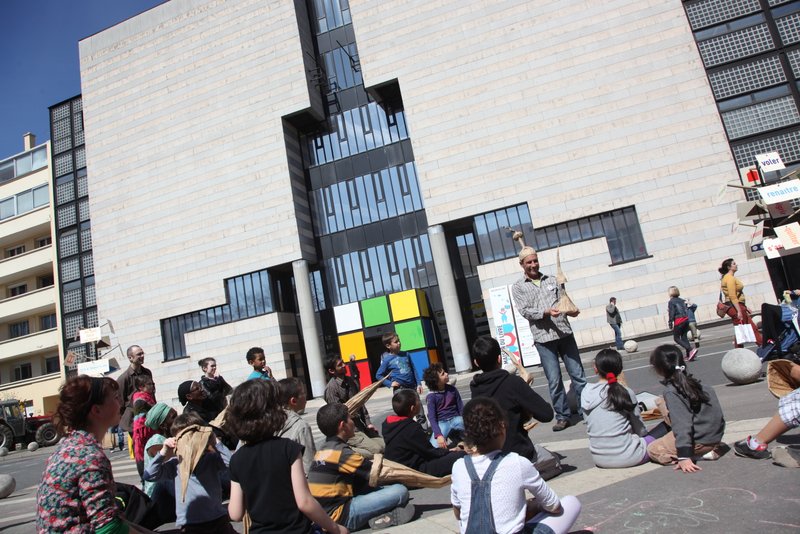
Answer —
337 475
532 301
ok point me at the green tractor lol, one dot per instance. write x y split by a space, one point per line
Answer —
15 427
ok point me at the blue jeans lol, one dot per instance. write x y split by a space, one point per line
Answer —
617 336
567 349
447 426
378 501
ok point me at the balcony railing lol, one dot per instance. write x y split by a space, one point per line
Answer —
45 340
35 302
21 266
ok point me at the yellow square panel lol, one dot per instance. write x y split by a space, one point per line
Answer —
353 344
406 304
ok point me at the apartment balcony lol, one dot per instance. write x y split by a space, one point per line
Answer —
34 262
37 302
34 223
46 340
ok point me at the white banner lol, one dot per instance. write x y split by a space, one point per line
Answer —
789 234
90 335
511 329
94 367
772 194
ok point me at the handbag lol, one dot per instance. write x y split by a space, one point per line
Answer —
723 308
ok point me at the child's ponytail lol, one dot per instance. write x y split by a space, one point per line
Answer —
609 366
668 362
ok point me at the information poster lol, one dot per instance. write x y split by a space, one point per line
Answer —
511 329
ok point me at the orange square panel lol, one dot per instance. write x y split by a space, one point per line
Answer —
353 344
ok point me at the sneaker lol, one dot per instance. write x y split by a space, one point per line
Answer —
741 448
692 354
560 425
786 457
710 456
398 516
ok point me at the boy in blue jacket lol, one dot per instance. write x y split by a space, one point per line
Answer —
398 365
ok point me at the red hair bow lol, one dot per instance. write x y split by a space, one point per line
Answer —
611 378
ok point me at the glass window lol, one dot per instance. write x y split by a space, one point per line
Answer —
22 372
52 365
47 322
18 329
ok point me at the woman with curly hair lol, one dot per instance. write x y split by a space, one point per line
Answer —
488 490
77 490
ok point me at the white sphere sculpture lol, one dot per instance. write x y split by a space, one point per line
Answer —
32 446
741 366
7 485
3 451
631 346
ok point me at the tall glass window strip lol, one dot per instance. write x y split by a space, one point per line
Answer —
735 45
355 131
396 266
761 117
331 14
786 144
620 228
342 67
366 199
494 229
746 77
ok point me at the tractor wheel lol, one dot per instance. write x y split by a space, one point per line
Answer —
6 438
47 435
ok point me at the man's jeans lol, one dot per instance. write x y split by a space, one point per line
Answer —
617 336
448 425
567 348
378 501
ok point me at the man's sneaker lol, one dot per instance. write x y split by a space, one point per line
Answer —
398 516
560 425
741 448
710 456
692 354
786 457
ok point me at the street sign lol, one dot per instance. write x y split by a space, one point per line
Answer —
770 161
772 194
789 235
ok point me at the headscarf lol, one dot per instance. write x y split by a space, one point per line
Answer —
156 415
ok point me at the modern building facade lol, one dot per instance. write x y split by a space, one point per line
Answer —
751 52
30 361
259 173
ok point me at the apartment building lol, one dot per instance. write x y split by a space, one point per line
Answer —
30 359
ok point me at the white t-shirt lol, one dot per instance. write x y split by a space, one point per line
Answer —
512 477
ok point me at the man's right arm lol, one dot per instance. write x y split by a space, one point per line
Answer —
382 370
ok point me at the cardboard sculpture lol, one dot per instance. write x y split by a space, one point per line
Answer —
780 381
388 472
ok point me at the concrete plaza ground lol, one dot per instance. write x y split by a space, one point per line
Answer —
730 495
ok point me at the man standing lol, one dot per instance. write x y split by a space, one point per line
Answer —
127 387
615 320
535 297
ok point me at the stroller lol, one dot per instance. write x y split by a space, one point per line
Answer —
781 332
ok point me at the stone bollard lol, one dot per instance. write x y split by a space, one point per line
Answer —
631 346
741 366
7 485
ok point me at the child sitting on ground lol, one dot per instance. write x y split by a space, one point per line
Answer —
339 479
691 409
444 407
407 443
198 497
257 360
267 477
143 399
293 400
617 435
488 490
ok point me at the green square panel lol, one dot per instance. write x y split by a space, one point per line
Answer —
411 334
375 311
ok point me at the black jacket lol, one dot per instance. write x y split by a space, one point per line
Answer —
520 403
407 444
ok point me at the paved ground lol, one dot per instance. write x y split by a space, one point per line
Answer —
729 495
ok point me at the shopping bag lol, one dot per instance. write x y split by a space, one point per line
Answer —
744 333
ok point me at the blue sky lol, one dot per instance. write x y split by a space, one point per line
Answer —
39 58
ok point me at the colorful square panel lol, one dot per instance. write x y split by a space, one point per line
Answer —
433 356
408 305
353 344
411 334
348 317
375 311
420 359
364 374
427 329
